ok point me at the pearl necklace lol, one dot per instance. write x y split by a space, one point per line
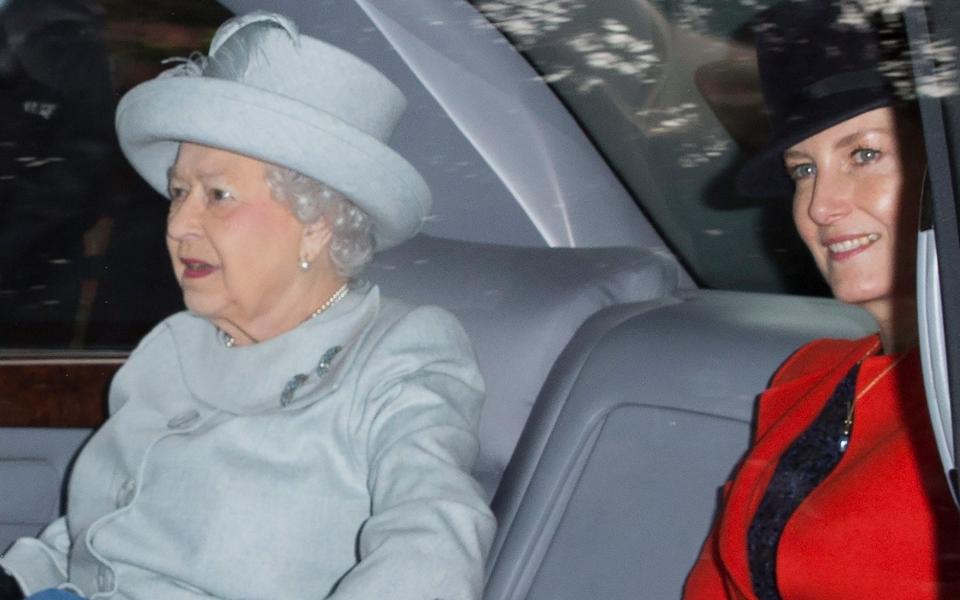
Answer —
229 341
336 297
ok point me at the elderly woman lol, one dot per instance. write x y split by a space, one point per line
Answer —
293 434
841 494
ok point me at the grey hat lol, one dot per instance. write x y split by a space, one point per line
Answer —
268 92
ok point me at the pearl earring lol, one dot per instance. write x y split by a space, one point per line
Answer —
304 264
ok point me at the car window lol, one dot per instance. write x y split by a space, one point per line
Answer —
83 264
667 91
82 260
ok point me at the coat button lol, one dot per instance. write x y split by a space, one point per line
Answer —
125 493
104 578
183 420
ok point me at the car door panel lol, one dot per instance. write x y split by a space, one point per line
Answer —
47 409
33 463
54 393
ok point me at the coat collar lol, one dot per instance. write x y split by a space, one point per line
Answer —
305 363
796 403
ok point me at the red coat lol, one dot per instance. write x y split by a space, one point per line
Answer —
881 525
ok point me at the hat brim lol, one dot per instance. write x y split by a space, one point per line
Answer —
764 174
156 116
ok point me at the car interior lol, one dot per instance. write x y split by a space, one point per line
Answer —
620 388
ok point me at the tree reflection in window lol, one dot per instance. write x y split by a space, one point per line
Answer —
82 262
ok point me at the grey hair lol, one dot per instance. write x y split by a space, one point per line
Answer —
351 245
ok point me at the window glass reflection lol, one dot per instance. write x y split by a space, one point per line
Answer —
82 262
667 90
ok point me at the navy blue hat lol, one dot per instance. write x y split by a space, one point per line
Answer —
821 62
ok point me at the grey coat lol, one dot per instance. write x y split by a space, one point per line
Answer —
331 460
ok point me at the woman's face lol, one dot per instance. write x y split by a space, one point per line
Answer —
856 206
235 250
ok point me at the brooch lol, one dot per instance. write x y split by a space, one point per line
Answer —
286 396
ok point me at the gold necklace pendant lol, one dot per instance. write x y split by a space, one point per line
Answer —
848 420
847 428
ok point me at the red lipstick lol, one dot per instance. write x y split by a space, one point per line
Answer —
195 269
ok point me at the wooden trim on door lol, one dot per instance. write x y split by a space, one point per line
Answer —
55 392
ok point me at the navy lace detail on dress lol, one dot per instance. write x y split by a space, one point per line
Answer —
806 463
